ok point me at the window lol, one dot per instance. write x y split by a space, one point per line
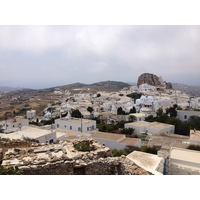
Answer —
57 125
70 127
65 126
50 141
185 116
79 129
87 128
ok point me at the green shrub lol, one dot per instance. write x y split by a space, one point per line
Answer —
10 171
84 146
117 153
147 149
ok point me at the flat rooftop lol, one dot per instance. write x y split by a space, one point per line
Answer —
139 123
129 141
27 131
155 125
107 136
158 125
168 140
137 114
147 161
77 120
185 158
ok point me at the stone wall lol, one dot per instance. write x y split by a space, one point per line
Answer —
64 159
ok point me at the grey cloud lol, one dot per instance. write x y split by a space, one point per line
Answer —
92 53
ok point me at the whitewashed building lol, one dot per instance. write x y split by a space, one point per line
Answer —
30 114
116 141
15 123
76 124
43 136
150 127
184 115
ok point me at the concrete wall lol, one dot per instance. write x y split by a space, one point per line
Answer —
167 130
46 138
137 129
15 124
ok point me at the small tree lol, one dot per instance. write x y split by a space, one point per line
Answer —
90 109
127 131
172 111
132 110
120 111
76 113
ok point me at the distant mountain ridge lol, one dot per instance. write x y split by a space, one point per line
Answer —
107 86
103 85
190 90
8 89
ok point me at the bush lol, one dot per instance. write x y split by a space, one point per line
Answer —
117 153
84 146
10 171
147 149
194 147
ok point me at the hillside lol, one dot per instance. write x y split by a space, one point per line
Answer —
104 85
109 85
190 90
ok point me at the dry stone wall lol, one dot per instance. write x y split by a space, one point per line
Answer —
64 159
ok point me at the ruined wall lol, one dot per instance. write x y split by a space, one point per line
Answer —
64 159
106 166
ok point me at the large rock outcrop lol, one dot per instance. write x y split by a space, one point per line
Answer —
152 79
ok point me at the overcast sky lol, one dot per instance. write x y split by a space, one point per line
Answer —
45 56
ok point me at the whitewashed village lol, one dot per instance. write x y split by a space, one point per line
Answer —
148 129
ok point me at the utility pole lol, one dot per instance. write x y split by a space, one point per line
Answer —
81 124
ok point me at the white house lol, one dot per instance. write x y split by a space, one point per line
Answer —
196 103
184 115
15 123
138 116
43 136
76 124
30 114
116 141
150 127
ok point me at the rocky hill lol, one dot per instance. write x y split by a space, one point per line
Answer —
153 80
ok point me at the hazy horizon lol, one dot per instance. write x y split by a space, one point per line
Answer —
39 57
